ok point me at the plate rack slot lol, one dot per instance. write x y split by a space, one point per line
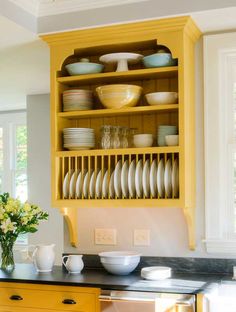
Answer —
120 176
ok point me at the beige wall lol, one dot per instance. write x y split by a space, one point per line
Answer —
38 124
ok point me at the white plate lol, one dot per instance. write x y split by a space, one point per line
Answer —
66 184
160 179
153 178
124 179
167 178
105 185
92 185
175 178
73 180
146 178
111 186
156 273
117 179
138 178
131 179
98 187
79 184
86 185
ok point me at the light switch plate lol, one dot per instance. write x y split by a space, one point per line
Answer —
141 237
105 236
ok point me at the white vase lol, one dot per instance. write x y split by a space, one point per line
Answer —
44 257
74 263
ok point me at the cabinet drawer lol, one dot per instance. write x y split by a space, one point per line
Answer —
60 298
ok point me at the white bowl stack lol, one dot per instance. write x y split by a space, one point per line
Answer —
163 131
77 99
78 138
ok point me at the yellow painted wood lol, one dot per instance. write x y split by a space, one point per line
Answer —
115 77
47 298
200 298
118 112
179 35
121 151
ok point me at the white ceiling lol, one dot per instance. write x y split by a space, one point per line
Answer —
24 59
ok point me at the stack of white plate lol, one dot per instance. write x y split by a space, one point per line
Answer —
77 99
164 130
78 138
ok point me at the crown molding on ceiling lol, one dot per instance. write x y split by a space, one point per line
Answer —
30 6
40 8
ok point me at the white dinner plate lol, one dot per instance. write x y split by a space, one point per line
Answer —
111 186
79 185
153 178
98 187
105 185
117 179
124 179
167 178
138 178
73 180
92 185
175 178
131 179
86 185
160 179
66 184
146 178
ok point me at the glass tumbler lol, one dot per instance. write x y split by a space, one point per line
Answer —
106 137
116 137
124 137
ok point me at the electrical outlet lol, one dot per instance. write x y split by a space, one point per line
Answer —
105 236
142 237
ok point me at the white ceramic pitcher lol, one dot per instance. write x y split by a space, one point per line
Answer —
44 257
74 263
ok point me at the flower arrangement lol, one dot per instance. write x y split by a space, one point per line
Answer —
16 218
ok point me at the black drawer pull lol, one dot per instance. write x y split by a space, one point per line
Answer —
69 301
16 297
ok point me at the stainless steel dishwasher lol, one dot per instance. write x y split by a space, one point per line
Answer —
135 301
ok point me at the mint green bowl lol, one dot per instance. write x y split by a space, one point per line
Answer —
84 68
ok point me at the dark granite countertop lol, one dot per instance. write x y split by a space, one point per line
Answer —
186 283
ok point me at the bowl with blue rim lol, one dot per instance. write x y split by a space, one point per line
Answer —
159 59
84 67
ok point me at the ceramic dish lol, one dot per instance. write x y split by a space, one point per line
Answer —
153 178
124 179
131 179
138 178
156 273
117 179
146 178
161 98
122 59
159 60
160 179
83 68
167 178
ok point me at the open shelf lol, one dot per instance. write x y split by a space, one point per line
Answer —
117 112
137 74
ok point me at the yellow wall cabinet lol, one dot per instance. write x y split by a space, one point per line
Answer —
179 36
36 298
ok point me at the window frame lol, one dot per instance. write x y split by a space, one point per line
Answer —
219 56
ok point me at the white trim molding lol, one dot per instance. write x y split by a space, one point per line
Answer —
219 66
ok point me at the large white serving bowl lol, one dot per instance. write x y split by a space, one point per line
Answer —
119 262
160 98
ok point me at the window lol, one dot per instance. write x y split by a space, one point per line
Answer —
13 157
220 142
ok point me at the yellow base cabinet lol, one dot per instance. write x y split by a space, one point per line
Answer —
31 297
177 35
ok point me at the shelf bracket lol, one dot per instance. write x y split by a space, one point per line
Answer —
70 215
189 216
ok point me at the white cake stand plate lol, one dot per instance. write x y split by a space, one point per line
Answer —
122 59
